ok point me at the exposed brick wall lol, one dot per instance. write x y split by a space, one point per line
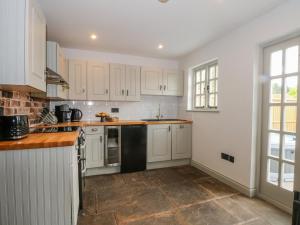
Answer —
13 103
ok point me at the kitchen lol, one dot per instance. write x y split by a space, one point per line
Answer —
98 129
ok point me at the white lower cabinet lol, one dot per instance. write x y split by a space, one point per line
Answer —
94 147
181 141
169 142
159 143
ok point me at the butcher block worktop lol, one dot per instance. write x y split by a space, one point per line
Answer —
63 139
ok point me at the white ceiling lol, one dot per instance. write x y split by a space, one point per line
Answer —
138 26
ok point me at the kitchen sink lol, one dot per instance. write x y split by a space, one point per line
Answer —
154 120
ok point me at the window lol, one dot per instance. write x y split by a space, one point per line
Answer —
205 87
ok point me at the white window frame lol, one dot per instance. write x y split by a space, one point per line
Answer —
206 107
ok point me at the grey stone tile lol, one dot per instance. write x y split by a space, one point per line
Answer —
168 219
187 192
256 222
216 187
190 173
207 214
104 181
147 202
101 219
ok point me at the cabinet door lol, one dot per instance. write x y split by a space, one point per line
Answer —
61 62
181 141
151 81
37 48
159 143
133 83
172 83
94 150
98 81
117 82
77 80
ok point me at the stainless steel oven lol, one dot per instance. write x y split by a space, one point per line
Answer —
112 146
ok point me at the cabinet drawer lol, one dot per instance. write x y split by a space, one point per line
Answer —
94 130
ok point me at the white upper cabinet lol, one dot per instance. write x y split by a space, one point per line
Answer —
77 80
117 82
133 83
56 59
172 83
97 81
22 44
151 81
124 82
156 81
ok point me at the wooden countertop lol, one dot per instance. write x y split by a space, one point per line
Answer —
63 139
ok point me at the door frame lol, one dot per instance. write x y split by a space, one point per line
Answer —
258 115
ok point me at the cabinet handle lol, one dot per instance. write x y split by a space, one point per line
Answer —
100 139
83 90
160 87
94 129
169 128
122 91
181 126
165 87
106 91
127 93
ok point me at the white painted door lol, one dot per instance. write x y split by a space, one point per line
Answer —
159 146
98 81
151 81
181 141
117 82
172 83
280 104
77 80
133 83
37 29
95 150
75 187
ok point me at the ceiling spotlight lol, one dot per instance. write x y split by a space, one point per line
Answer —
163 1
160 46
93 36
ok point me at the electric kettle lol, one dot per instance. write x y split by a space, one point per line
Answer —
76 115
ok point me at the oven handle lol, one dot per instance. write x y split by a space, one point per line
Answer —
106 150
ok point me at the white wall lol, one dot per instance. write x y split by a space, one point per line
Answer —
146 108
233 129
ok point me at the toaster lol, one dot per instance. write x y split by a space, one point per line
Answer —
13 127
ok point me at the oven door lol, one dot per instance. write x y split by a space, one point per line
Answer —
81 172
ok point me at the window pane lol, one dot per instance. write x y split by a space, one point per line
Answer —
212 100
217 85
291 89
276 85
202 88
197 101
212 86
275 113
290 117
272 173
276 63
292 59
287 180
289 147
198 87
197 76
216 100
274 143
217 71
202 101
203 75
212 72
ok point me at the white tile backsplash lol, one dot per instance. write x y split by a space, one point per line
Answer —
146 108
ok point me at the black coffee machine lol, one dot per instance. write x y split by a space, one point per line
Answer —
63 113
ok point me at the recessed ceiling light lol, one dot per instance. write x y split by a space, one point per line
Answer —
93 36
163 1
160 46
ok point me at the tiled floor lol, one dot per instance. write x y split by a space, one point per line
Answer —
172 196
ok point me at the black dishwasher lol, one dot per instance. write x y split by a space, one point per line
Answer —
134 145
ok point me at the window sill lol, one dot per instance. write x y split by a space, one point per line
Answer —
203 110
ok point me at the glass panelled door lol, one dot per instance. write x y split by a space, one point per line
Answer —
280 113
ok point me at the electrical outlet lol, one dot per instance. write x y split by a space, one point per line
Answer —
114 110
227 157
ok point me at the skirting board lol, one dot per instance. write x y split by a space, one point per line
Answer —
250 192
171 163
275 203
102 171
